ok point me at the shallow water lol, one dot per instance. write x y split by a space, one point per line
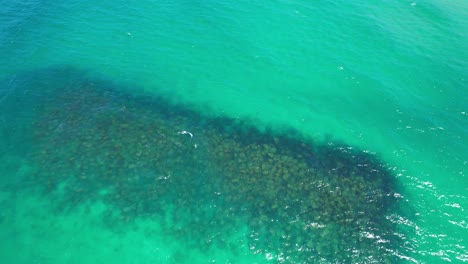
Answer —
176 132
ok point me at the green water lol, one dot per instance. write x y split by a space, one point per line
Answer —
381 83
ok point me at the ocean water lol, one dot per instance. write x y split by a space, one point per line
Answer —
233 132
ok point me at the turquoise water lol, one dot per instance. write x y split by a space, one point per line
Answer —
328 97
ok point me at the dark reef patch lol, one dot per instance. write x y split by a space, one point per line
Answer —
302 201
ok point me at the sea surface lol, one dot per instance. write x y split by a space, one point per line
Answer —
286 131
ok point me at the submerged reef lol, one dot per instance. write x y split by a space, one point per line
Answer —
207 178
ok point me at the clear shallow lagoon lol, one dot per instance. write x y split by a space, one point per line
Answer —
321 132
